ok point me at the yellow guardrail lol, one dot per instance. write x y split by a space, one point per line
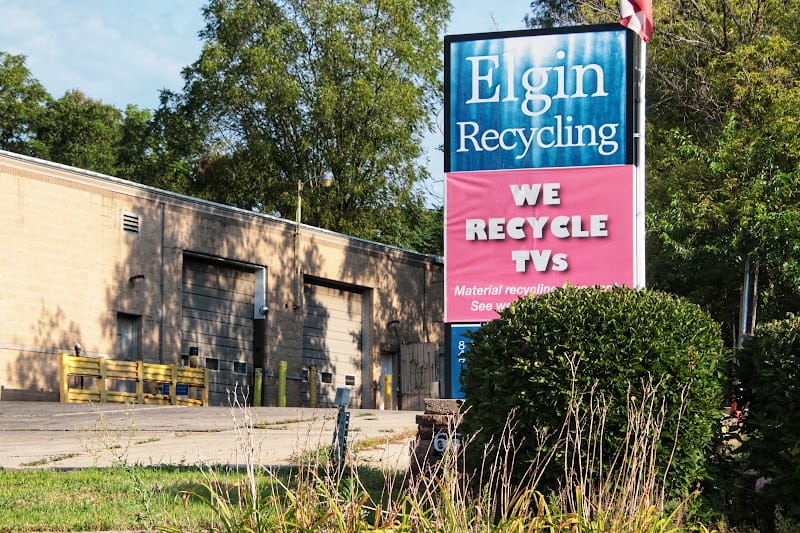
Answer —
86 379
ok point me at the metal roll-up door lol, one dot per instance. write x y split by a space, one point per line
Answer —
217 305
333 341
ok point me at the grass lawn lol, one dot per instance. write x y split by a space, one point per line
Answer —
173 498
121 498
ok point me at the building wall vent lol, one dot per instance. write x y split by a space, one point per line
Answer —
130 223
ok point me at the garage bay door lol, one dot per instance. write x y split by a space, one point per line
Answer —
217 302
333 340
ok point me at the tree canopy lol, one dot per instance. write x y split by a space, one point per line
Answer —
73 130
22 99
723 147
80 131
287 90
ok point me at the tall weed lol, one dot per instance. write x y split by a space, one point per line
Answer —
314 496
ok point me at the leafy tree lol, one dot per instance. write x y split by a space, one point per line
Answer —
171 150
553 13
135 150
282 91
419 228
22 99
726 156
286 89
74 130
79 131
723 144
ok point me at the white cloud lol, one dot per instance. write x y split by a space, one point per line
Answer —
119 52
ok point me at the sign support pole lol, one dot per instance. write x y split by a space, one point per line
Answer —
639 187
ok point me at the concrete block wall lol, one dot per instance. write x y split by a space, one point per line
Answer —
70 268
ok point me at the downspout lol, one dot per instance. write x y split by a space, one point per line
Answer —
399 381
161 289
425 272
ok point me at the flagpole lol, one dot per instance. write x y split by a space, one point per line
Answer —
639 187
637 15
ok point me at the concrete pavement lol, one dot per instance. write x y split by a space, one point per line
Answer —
59 435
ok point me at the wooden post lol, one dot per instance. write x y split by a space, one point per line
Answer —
173 385
63 378
101 383
140 382
205 387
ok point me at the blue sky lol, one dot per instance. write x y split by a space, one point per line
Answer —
124 52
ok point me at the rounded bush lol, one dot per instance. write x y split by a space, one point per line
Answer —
769 370
542 350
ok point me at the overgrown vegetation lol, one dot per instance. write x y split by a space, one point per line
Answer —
314 497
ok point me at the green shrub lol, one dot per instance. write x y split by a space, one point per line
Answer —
769 370
607 347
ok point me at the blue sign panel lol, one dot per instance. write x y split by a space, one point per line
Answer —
459 346
532 100
181 389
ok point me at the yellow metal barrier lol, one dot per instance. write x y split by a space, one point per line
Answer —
282 368
258 383
312 386
149 379
387 392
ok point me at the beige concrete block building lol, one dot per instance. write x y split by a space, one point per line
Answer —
132 272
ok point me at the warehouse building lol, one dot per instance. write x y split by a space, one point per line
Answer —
137 273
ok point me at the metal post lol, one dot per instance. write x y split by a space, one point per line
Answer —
312 385
387 392
339 444
258 381
338 452
640 278
325 180
744 306
282 366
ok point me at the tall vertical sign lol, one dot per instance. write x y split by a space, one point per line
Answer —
539 166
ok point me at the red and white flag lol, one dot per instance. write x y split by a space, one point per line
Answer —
637 15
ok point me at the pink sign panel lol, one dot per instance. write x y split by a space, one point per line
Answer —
510 233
